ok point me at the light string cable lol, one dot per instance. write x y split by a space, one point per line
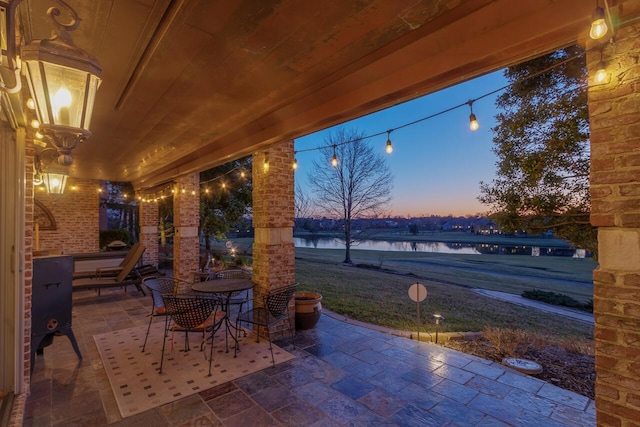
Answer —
439 113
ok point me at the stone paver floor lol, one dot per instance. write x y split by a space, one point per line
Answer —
343 375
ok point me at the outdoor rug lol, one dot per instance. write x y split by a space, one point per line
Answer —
134 378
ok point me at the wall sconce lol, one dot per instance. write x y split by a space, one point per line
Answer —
63 80
53 177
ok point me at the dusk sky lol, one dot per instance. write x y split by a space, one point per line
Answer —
438 163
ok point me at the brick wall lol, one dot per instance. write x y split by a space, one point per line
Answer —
614 110
186 217
149 231
273 212
76 213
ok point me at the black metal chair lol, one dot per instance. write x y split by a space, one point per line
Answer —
275 308
191 313
157 287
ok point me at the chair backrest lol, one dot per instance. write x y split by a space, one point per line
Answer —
204 263
158 286
232 274
277 302
131 263
189 311
129 254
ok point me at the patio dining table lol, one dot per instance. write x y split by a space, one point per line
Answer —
226 288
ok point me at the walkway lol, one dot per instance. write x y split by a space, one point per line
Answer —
343 374
581 316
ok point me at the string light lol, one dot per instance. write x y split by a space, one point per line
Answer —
389 147
473 122
334 159
598 24
601 71
295 163
455 107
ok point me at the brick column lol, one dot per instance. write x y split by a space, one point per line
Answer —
614 110
186 216
149 231
273 212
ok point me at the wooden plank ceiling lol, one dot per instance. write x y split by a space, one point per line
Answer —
190 84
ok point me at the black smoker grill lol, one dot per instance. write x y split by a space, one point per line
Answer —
51 303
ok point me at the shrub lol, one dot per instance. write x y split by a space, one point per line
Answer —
557 299
511 342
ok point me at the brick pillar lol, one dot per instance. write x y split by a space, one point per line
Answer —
186 216
149 231
614 110
273 211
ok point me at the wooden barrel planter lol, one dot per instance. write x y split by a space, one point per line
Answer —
308 309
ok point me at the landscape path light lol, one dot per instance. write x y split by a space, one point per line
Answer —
439 319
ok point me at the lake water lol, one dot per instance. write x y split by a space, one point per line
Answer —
439 247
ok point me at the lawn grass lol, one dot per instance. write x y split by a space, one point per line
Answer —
506 273
378 294
380 297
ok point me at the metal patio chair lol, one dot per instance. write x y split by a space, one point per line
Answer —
191 313
275 308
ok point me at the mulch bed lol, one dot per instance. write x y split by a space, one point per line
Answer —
570 371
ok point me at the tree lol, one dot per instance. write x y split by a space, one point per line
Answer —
542 144
225 198
358 187
304 207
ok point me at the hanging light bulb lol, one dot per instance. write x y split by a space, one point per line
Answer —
265 165
224 185
601 72
334 159
295 164
242 174
598 24
389 147
473 122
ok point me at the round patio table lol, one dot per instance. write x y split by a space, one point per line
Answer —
223 286
226 288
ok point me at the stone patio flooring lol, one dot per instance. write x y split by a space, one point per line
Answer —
343 375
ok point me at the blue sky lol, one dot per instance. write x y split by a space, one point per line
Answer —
438 163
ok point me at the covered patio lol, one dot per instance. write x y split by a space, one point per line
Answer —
340 376
188 85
